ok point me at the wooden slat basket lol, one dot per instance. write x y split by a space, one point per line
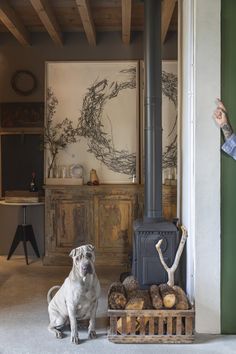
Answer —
151 326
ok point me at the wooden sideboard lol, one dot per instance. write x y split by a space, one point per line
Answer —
101 215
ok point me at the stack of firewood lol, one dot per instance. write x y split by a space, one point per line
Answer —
128 296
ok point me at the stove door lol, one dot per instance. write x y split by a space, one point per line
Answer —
147 267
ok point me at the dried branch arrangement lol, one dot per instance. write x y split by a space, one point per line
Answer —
57 136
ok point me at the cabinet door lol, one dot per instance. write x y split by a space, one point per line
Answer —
114 216
72 224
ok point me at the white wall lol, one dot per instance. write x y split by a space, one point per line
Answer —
201 157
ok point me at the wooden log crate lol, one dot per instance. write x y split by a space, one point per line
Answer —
151 326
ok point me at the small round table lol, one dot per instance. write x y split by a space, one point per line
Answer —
24 231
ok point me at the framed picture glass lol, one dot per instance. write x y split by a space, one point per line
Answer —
96 106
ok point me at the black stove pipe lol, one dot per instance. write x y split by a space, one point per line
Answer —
153 121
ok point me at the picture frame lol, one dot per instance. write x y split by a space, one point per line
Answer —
98 103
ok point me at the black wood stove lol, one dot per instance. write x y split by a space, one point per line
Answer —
146 266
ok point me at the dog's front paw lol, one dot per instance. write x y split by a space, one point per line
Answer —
59 334
92 334
75 339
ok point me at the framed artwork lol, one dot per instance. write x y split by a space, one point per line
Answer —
169 119
96 104
22 114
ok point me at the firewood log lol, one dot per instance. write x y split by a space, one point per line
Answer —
116 301
131 286
128 325
182 302
145 295
135 303
116 287
117 296
141 294
140 300
156 297
168 295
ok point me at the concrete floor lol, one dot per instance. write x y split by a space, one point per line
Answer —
24 317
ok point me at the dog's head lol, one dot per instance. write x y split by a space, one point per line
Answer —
83 259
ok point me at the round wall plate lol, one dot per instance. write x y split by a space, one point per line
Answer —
23 82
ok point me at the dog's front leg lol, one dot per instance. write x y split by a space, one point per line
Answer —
91 329
73 325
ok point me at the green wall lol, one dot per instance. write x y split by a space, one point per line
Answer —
228 173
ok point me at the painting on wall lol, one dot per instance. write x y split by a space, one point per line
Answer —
92 110
169 119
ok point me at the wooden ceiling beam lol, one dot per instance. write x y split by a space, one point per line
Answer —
48 19
13 23
168 7
126 20
87 20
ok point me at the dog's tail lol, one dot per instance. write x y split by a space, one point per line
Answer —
49 294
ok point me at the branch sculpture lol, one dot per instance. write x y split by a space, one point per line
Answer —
171 270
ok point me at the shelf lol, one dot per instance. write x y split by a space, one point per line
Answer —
65 181
25 130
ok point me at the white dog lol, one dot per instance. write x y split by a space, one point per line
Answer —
77 298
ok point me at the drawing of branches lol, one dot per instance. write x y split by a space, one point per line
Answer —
169 89
90 126
57 136
169 86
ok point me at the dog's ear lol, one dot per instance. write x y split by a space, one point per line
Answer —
73 253
90 247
